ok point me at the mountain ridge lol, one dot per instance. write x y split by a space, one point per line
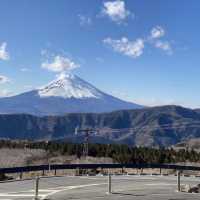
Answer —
152 127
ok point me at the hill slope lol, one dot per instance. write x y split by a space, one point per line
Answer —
67 94
158 126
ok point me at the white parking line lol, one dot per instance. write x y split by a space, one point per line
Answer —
72 187
160 184
44 193
15 195
6 199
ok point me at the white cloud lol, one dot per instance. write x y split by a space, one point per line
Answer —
132 49
154 39
4 55
4 79
164 45
84 21
115 10
135 48
157 32
5 93
59 64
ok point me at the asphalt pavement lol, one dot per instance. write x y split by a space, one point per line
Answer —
125 187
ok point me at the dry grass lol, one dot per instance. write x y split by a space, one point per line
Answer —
24 157
19 157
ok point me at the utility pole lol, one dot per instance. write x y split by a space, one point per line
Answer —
87 133
86 143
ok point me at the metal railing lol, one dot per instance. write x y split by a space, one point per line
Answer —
96 166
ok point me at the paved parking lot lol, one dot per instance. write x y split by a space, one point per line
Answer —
90 188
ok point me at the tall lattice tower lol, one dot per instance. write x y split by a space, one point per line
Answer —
87 133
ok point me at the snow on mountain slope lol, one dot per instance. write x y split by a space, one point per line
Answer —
67 94
68 86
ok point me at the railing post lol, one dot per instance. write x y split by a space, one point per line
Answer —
21 175
102 170
109 184
36 188
77 171
123 170
178 181
49 167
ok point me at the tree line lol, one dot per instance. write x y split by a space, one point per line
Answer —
119 153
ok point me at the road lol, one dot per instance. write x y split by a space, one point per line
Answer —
95 188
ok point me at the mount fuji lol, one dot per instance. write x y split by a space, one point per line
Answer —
66 94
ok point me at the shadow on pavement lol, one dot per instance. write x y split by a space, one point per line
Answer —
129 194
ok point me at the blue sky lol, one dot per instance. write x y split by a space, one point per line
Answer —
139 50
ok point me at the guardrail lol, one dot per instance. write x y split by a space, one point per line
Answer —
95 166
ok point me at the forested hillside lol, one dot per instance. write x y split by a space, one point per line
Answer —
151 127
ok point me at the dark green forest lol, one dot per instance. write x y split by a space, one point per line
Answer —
119 153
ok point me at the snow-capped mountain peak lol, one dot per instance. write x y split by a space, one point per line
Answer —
69 86
66 94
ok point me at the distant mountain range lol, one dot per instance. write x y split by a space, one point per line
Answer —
152 127
67 94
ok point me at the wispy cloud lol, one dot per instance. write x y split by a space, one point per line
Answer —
84 20
44 53
24 69
132 49
4 79
115 10
157 32
59 64
164 45
5 93
29 87
4 55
